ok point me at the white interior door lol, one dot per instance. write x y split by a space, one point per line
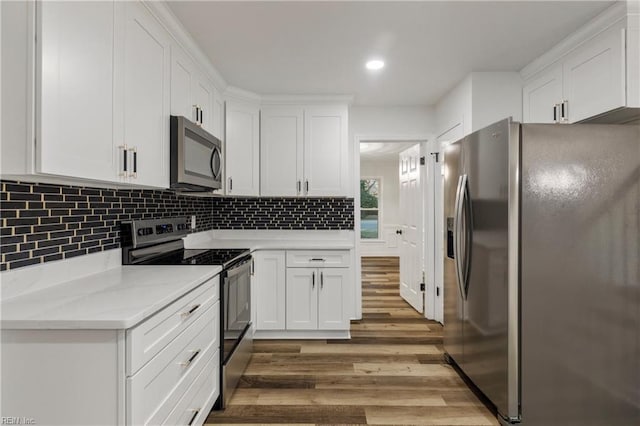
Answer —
411 223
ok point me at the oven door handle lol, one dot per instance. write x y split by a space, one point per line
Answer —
239 269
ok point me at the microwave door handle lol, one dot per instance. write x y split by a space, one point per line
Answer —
215 153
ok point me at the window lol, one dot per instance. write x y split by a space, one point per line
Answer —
370 208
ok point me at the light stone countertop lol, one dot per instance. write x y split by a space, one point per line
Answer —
118 298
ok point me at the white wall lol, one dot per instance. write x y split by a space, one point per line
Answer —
387 169
390 121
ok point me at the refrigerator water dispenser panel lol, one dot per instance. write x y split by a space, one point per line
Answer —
450 238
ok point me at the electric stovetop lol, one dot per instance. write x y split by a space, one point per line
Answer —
223 257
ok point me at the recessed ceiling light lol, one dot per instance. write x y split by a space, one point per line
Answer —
375 64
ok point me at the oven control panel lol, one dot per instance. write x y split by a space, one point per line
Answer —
152 231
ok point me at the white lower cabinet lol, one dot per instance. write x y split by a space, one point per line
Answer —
315 299
269 288
298 291
302 299
165 370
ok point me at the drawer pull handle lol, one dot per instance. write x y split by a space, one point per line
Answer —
195 414
190 311
316 259
188 362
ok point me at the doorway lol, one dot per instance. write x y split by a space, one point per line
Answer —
389 206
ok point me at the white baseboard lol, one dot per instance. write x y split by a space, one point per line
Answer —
302 334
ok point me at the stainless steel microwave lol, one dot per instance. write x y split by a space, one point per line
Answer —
196 157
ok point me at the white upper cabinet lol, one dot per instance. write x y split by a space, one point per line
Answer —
281 147
242 148
217 115
304 151
192 94
203 101
76 100
104 92
593 76
325 151
587 74
181 80
145 110
540 98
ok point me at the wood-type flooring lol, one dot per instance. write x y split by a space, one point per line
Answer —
390 372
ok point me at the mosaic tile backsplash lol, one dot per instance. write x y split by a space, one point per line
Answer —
45 222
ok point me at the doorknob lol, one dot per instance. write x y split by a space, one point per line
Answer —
399 231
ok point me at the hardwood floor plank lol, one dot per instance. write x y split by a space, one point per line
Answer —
422 383
338 397
461 416
341 348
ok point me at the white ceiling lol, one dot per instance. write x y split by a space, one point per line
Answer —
315 47
383 150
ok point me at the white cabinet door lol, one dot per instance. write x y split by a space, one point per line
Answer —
217 115
181 77
594 76
281 151
332 298
302 298
540 96
146 97
270 289
203 98
325 151
242 148
76 41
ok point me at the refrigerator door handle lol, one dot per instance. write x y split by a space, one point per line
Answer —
457 228
468 234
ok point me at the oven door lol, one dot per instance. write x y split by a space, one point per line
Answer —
236 299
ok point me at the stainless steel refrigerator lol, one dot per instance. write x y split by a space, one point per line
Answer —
542 270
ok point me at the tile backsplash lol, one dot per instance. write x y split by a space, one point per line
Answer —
45 222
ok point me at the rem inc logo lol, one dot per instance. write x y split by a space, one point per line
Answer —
6 420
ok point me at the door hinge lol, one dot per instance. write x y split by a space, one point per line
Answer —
437 156
422 287
422 161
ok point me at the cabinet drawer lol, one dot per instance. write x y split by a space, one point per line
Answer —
197 401
147 339
318 259
159 381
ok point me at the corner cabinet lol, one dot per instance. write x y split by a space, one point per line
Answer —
102 106
304 151
242 148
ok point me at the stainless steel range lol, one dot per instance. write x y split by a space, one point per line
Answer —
160 242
